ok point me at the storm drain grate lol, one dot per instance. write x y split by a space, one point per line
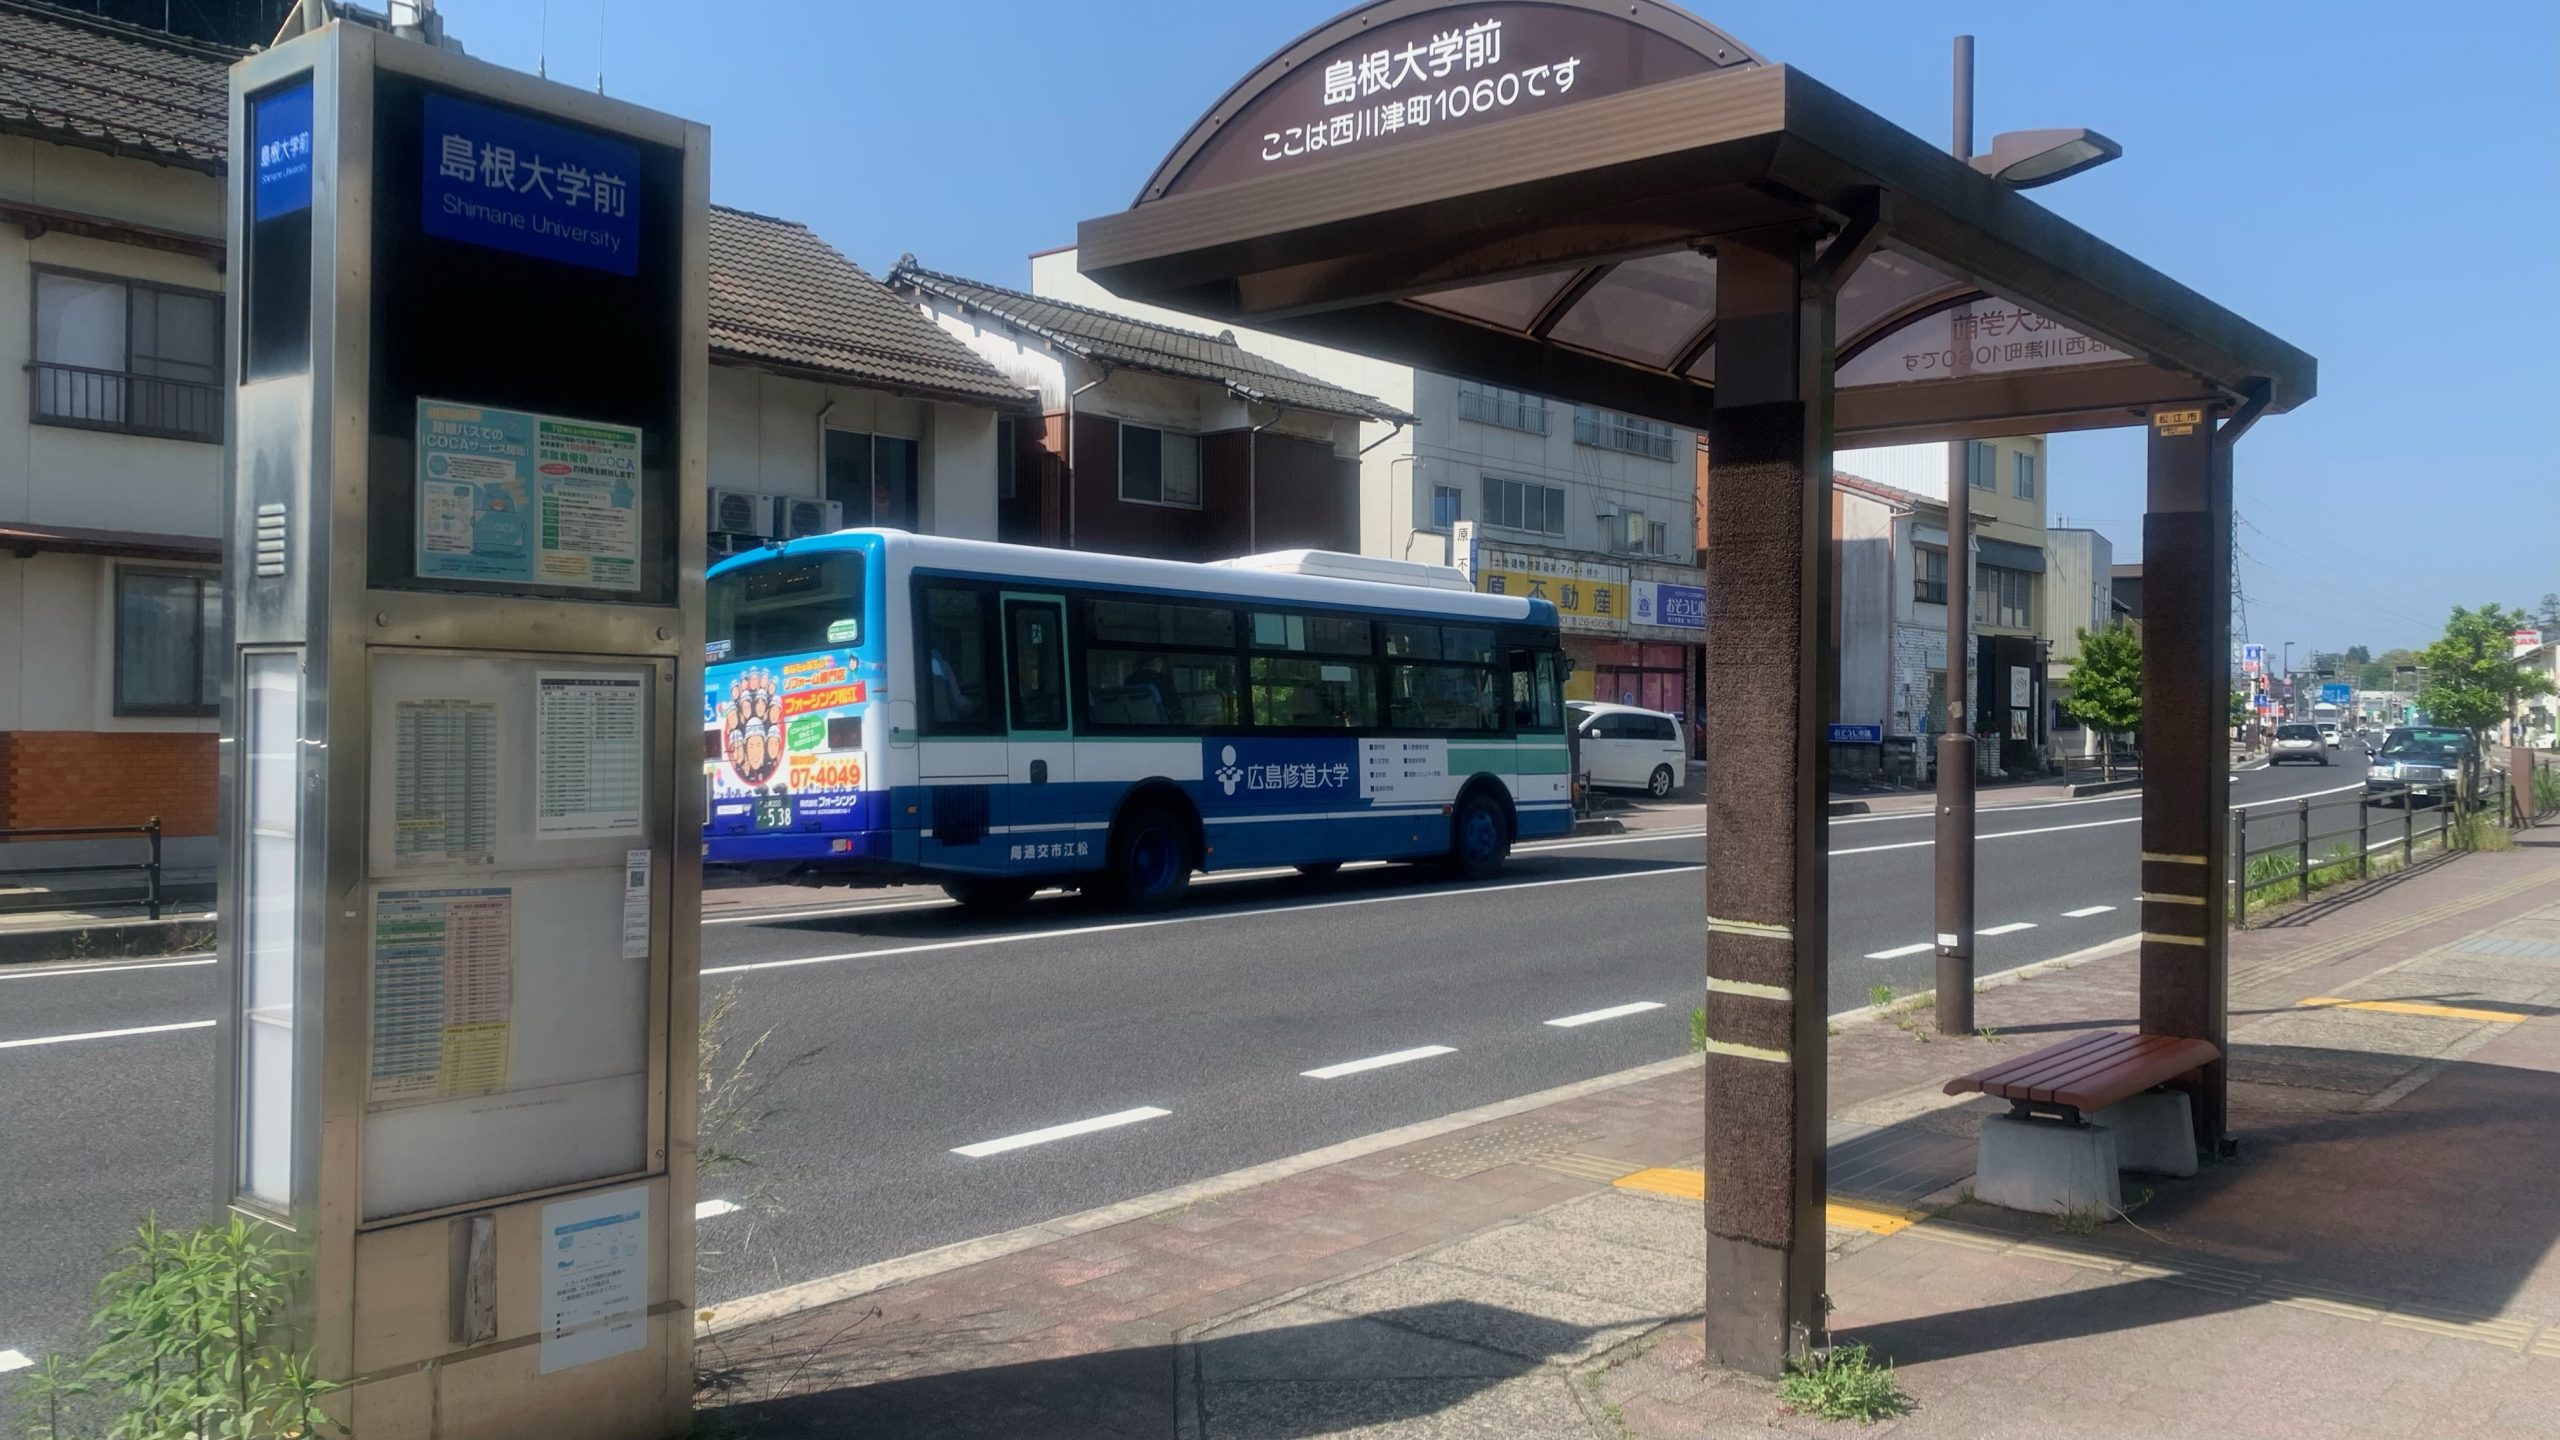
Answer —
1516 1145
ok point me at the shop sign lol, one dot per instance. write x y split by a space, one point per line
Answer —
1679 607
1857 734
1589 596
511 182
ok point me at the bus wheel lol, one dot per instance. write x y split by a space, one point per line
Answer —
988 892
1478 840
1150 860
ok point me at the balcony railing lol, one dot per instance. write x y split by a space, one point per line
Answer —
1511 412
125 403
1610 431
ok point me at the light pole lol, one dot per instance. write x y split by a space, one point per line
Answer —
2020 159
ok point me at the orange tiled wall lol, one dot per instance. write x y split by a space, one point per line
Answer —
88 777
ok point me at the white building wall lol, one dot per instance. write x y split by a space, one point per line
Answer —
1867 572
2078 580
767 436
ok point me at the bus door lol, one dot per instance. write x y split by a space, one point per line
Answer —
1040 755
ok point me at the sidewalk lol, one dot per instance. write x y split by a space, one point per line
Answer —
2380 1260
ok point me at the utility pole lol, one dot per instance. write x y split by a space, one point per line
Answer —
1955 744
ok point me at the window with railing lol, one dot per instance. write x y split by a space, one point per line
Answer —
1509 409
120 355
2003 597
1609 430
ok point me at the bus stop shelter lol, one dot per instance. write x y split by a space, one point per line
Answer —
1613 202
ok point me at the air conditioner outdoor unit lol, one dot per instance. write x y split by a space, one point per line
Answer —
797 515
740 512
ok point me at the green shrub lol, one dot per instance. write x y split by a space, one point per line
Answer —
1846 1383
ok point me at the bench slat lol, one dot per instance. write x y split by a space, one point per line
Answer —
2089 1071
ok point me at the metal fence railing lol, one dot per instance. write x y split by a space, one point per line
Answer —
148 866
128 403
2333 838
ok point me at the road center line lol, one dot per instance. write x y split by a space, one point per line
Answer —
1113 1120
1377 1062
106 1034
1587 1017
2012 928
1898 951
2085 911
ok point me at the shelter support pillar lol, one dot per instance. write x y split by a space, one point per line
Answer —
2186 763
1769 684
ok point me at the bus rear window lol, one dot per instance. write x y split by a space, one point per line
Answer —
787 607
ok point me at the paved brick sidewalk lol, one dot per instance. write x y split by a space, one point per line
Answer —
2378 1261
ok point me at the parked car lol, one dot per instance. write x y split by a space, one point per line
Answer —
2418 764
1626 748
2298 740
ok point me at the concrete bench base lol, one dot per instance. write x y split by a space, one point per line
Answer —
2048 1167
2155 1133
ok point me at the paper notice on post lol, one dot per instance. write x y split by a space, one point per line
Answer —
444 784
443 992
635 905
589 760
595 1278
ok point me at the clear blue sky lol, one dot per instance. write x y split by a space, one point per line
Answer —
2378 184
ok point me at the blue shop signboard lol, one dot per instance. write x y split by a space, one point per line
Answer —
1857 734
515 183
1660 602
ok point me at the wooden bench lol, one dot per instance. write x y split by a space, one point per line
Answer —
2086 1073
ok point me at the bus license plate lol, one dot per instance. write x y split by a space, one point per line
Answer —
773 812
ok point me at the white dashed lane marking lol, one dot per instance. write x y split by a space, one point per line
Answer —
2012 928
1377 1062
1568 1022
2086 911
1898 951
1113 1120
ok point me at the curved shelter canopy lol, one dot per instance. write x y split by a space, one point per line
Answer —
1532 192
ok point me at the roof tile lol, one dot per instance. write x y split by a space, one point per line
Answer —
1145 345
77 79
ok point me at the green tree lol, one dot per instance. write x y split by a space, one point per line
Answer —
2473 681
2358 655
2106 688
2380 673
2547 615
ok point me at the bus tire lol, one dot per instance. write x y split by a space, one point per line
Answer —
988 892
1150 859
1479 837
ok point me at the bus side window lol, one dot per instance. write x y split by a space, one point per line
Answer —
956 663
1537 702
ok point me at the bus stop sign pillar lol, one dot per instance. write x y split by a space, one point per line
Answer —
2186 761
460 878
1768 695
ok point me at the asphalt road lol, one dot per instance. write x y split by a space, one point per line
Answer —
902 1034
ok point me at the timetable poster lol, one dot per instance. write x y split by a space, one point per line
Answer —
443 992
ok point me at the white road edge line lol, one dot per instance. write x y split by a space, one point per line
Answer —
1113 1120
2012 928
2085 911
1377 1062
1587 1017
14 1360
106 1034
56 972
714 1209
1898 951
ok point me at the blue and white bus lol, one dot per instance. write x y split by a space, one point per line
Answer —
999 718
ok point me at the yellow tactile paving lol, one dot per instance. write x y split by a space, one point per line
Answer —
1666 1180
1686 1184
2411 1007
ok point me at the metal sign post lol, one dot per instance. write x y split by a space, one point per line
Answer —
460 889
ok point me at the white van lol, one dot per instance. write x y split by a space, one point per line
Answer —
1624 748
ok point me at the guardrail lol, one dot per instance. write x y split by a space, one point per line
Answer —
2312 858
149 830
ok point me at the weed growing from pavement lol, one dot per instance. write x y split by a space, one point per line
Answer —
1845 1383
1880 996
1698 1028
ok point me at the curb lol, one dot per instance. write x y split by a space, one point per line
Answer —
107 940
1599 825
1913 1001
2102 787
829 1289
1848 807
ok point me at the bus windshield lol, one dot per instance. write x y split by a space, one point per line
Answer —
786 607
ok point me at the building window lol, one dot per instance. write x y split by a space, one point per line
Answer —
168 642
1004 460
1981 460
2003 597
1929 575
1509 409
1159 467
1657 538
1446 506
1609 430
873 477
2025 475
1523 505
116 355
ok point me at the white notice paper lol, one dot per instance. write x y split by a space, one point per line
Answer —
444 785
588 769
635 905
595 1277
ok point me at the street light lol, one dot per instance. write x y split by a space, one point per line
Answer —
2025 159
